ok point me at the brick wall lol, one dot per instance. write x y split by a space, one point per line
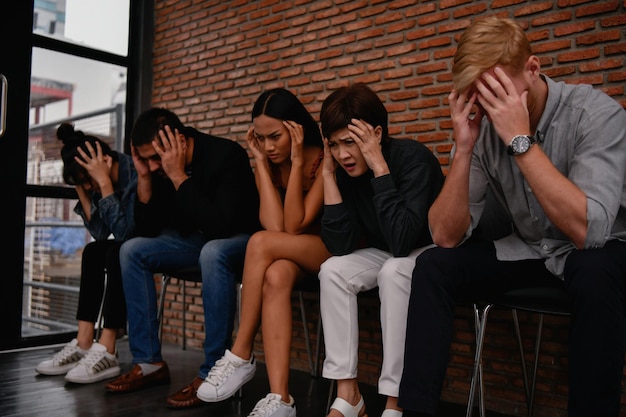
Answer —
213 58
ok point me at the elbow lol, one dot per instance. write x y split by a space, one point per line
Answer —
581 238
580 242
444 241
294 230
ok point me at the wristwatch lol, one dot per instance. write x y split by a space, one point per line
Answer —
521 144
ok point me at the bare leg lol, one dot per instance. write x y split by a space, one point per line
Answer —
108 338
348 389
306 251
392 403
85 334
277 323
256 263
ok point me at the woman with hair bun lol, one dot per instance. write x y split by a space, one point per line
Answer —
106 184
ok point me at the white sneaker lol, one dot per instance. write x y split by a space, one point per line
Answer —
273 406
63 361
96 365
228 374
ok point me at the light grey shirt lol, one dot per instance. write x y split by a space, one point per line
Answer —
583 132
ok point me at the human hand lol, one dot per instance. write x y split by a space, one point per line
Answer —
172 151
296 132
97 165
141 165
368 140
465 127
506 107
253 143
329 165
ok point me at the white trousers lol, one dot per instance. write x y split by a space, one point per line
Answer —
342 278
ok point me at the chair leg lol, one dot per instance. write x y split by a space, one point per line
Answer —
529 388
165 280
238 306
318 343
477 373
331 391
239 286
100 320
184 291
307 339
481 385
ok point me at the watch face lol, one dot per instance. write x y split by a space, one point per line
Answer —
520 144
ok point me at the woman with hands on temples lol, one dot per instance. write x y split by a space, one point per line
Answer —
286 144
377 192
106 183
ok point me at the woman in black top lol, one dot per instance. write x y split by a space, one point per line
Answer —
377 191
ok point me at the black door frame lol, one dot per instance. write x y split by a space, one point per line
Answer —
17 40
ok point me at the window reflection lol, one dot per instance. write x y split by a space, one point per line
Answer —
97 24
90 94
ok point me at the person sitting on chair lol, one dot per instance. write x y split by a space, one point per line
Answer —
554 156
377 191
287 147
196 205
106 183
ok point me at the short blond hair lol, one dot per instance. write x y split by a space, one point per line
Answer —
485 43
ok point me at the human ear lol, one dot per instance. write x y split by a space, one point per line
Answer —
378 131
533 66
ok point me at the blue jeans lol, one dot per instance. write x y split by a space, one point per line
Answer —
220 260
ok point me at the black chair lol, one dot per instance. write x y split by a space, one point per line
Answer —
193 274
310 284
551 300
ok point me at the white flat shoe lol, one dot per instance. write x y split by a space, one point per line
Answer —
347 409
390 412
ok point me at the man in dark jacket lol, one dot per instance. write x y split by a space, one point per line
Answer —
197 204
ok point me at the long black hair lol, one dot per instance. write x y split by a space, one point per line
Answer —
281 104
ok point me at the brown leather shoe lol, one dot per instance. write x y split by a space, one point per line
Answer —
186 397
135 379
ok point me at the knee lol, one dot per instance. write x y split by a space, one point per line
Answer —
330 269
210 252
91 249
434 268
130 248
395 275
257 243
219 263
593 275
276 280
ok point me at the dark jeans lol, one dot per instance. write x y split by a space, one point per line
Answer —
98 257
595 280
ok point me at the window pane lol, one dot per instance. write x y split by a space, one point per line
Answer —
89 94
53 243
98 24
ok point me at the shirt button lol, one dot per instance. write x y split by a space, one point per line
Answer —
530 190
535 219
545 247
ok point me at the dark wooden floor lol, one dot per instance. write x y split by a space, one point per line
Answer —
24 393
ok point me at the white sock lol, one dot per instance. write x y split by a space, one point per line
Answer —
148 368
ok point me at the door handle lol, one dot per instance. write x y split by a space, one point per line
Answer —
3 104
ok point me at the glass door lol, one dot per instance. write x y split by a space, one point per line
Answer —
72 65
